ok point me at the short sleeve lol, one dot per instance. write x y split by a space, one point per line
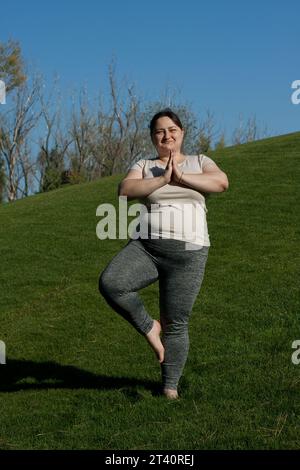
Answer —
137 166
207 162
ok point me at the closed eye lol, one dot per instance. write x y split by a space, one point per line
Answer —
161 130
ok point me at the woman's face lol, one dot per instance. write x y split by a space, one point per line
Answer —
167 136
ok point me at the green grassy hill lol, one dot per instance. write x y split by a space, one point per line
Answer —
79 377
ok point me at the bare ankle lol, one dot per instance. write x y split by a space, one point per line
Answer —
153 337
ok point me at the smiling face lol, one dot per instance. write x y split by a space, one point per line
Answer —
167 136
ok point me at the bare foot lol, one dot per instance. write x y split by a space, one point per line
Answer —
170 393
153 338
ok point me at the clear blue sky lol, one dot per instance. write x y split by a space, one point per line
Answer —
229 56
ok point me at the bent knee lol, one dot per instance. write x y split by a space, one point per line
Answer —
110 285
104 283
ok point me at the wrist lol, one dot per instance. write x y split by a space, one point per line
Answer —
180 179
162 179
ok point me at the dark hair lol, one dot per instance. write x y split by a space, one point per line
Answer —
167 112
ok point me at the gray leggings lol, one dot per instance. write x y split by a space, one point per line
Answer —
180 272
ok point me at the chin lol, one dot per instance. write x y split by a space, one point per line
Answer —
168 147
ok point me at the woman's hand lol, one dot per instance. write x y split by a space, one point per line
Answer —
168 170
172 173
176 173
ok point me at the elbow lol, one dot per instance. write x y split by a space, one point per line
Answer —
224 183
225 186
121 190
219 182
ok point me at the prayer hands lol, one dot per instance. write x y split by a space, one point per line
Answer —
172 172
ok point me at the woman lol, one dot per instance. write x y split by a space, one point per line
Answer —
171 184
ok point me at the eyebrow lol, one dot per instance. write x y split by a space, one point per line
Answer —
162 128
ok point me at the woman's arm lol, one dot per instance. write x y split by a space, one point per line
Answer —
134 185
212 180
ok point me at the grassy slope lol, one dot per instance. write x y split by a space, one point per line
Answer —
79 377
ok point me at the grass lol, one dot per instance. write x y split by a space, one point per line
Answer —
79 377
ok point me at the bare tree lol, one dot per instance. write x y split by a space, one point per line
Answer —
248 131
25 170
15 127
54 143
2 180
11 65
119 129
206 133
82 135
11 76
221 142
238 133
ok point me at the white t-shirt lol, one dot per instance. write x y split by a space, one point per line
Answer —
173 211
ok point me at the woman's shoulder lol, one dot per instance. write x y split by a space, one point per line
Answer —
201 157
138 165
192 157
193 160
198 161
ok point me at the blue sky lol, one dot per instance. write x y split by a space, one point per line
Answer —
227 56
